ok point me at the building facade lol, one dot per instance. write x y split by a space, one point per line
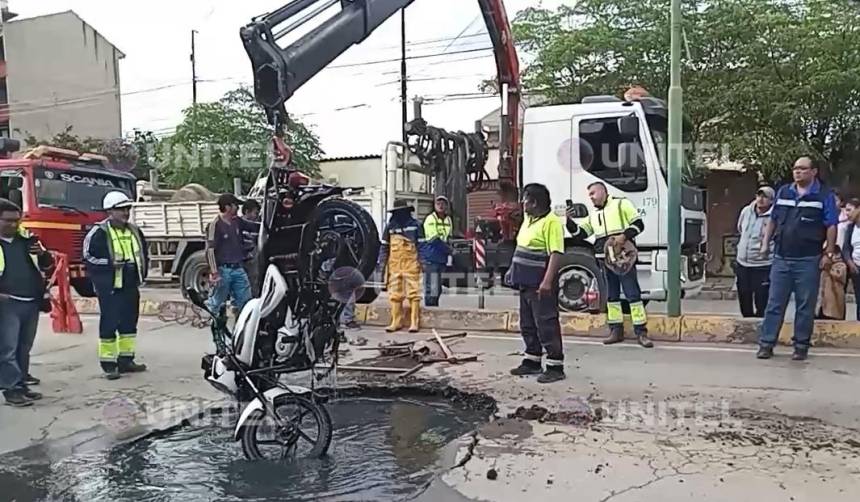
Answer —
58 72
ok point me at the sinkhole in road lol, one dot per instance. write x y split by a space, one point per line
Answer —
382 449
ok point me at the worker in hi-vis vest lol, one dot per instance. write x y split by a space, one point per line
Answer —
533 271
614 224
436 250
116 258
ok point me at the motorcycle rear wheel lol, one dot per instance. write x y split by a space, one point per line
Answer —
356 227
306 434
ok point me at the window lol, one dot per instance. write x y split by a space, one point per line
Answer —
600 148
12 186
82 190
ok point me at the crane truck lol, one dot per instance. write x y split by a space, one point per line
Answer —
566 147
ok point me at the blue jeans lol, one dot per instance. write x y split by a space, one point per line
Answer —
234 283
433 283
18 323
348 314
800 276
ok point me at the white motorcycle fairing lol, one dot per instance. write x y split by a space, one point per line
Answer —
270 396
245 332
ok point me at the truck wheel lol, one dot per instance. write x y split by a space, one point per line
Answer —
195 275
581 286
83 287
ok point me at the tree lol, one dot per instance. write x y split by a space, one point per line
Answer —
229 138
767 80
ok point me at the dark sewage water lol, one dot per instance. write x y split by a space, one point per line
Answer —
382 449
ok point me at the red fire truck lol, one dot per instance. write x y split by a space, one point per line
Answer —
60 192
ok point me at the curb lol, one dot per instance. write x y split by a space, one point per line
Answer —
687 328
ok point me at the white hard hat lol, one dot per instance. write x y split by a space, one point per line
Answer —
116 200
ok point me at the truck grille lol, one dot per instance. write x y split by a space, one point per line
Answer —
76 249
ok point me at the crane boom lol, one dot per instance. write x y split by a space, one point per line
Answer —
280 72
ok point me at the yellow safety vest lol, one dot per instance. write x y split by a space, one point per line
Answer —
24 234
124 248
437 227
537 239
614 218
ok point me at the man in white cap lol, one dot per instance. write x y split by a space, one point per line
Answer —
116 258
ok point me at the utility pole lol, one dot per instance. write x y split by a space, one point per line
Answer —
676 159
193 69
403 104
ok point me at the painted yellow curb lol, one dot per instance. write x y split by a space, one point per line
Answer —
688 328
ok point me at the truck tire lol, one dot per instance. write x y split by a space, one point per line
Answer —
84 287
578 276
363 239
195 275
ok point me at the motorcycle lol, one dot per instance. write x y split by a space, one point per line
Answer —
315 249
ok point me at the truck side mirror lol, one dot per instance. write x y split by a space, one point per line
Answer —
577 210
628 127
630 157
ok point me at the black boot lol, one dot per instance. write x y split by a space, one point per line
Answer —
131 367
31 380
32 395
800 354
112 373
764 352
16 398
552 374
616 334
527 367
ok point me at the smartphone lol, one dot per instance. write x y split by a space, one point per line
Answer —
568 203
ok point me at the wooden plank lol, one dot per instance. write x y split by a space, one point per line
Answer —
441 343
411 372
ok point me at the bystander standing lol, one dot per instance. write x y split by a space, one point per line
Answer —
804 217
752 268
250 234
851 250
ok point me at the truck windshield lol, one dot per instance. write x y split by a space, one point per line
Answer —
661 141
80 190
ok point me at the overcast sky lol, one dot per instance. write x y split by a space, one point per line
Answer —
354 109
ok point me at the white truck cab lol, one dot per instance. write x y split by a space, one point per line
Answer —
622 144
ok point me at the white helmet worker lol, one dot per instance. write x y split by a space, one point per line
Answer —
116 200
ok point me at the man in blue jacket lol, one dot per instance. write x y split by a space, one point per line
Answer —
116 258
804 217
435 251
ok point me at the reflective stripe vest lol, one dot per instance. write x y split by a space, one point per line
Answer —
436 232
616 216
125 249
800 227
24 234
434 226
537 239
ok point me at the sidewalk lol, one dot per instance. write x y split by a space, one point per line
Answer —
711 328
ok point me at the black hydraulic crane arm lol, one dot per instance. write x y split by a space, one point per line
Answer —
280 72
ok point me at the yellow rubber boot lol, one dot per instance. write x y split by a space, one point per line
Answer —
396 318
415 316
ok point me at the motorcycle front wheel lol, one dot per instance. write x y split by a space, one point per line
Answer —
305 432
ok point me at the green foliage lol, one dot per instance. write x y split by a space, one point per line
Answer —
766 80
228 138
